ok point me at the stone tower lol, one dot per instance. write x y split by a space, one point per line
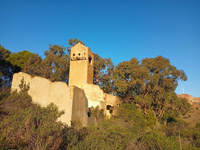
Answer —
81 65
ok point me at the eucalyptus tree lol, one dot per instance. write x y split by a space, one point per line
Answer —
56 64
103 71
5 68
150 84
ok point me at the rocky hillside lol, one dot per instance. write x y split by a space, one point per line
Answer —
191 100
194 115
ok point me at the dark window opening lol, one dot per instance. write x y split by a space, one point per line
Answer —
73 54
79 54
90 59
89 112
110 108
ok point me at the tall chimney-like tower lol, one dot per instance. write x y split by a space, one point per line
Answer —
81 65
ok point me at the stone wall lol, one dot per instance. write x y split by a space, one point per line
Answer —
80 105
94 94
74 100
113 101
96 97
45 92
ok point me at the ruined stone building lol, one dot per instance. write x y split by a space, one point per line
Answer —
75 98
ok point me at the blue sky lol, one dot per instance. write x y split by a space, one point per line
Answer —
113 29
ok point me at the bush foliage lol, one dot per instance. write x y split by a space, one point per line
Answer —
25 125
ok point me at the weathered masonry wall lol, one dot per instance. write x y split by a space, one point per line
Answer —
45 92
96 97
94 94
80 105
112 102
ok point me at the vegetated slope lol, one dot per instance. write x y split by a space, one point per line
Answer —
194 115
190 98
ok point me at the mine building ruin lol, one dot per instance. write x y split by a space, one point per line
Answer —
77 97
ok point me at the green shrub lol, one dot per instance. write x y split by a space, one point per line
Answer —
28 126
192 134
174 128
151 119
182 106
98 113
105 136
133 117
159 142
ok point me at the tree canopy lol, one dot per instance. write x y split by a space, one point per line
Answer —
19 60
150 84
103 69
5 68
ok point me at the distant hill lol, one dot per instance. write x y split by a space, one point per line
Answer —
194 115
191 100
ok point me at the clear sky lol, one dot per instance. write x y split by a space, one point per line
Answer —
116 29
